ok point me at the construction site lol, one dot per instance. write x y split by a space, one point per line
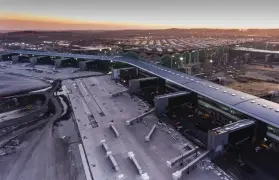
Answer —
255 73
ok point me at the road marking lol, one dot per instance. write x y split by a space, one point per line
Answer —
84 162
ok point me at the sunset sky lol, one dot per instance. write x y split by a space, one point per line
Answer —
137 14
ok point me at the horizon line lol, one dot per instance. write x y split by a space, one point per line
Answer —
120 25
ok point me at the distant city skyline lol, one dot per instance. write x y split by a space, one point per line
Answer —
131 14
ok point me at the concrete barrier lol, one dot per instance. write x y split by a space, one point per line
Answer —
144 176
121 177
119 93
113 161
105 146
180 158
178 174
84 162
112 127
149 135
135 162
139 118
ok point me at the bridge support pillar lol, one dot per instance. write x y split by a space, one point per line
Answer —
247 57
116 74
33 60
135 84
162 101
57 63
267 58
15 58
83 64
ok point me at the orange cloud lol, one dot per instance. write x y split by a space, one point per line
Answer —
30 22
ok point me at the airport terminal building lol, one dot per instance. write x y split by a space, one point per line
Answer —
222 106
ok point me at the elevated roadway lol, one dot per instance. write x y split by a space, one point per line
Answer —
255 50
253 106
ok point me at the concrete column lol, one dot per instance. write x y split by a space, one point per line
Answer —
57 63
82 65
162 101
116 73
134 84
267 58
33 60
226 58
114 130
15 58
183 156
198 56
246 57
190 58
151 132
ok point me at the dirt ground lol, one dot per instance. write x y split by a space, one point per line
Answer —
261 68
266 71
257 80
255 88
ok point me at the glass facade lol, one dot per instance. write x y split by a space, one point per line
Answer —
273 130
271 133
225 108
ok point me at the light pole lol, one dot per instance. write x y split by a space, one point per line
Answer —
171 60
181 60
